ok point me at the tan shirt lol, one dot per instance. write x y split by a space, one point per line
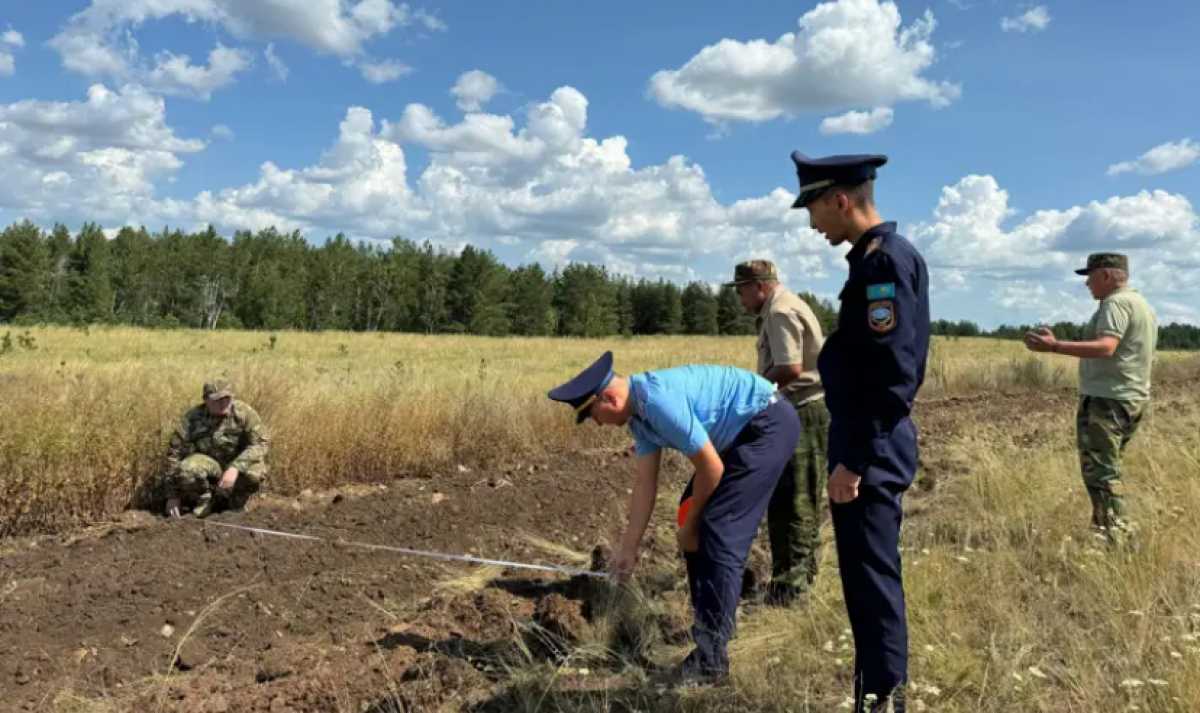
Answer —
789 333
1125 375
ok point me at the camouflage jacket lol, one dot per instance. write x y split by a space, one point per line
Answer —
237 440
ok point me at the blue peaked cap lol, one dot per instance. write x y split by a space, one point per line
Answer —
580 392
819 174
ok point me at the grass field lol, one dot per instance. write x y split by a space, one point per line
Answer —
1013 605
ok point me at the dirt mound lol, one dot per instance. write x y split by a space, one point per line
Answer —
560 625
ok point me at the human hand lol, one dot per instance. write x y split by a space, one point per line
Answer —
843 484
172 509
228 479
623 563
688 538
1041 339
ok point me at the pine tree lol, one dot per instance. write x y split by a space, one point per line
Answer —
699 309
731 316
24 272
91 276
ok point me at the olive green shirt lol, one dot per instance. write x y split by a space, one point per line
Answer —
789 333
1125 375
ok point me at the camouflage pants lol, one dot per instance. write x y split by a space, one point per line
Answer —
1103 429
199 474
798 504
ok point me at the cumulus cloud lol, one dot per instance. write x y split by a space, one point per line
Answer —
1170 156
858 122
1149 219
1034 19
534 186
277 65
176 75
845 54
971 237
222 132
98 41
968 229
359 185
98 157
383 71
474 89
9 40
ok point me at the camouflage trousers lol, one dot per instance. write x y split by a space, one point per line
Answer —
199 474
798 504
1103 429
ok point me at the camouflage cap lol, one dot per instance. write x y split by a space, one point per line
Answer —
1096 261
753 271
217 389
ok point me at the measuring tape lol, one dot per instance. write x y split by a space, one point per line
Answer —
430 554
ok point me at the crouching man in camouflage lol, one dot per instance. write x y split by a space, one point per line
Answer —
218 455
1115 359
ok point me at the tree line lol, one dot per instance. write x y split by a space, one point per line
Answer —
1170 336
274 280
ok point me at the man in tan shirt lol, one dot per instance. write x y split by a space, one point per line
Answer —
789 341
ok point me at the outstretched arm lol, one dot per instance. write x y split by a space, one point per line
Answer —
1043 340
641 506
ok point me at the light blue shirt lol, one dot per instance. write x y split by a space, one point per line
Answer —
685 407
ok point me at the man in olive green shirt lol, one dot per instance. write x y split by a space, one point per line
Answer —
789 342
1114 382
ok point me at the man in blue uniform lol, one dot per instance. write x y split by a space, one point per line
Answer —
739 435
872 367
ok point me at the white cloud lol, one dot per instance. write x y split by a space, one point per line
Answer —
845 54
474 89
1026 262
359 185
278 68
968 229
176 75
1034 19
9 40
222 132
99 157
530 186
388 70
858 122
1169 156
99 40
1030 302
1149 219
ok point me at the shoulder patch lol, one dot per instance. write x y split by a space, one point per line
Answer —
882 291
881 316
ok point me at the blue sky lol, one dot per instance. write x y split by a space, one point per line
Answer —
651 137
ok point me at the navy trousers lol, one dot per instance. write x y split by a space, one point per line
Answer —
867 531
728 525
